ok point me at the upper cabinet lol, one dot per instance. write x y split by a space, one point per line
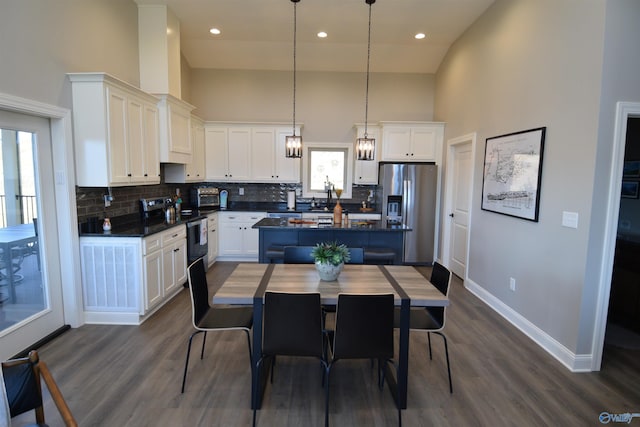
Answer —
194 171
116 131
366 171
412 141
248 153
175 130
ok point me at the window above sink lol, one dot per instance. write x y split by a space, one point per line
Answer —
327 160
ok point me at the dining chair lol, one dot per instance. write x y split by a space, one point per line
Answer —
364 330
22 380
432 319
207 318
292 326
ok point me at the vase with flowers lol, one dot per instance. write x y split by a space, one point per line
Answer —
329 258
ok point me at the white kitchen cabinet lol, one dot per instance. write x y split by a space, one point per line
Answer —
227 150
174 258
238 241
125 279
412 141
366 171
249 153
212 239
194 171
175 129
115 132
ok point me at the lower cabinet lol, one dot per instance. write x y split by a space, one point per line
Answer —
212 228
125 279
238 241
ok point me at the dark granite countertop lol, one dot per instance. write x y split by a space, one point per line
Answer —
371 225
282 207
134 226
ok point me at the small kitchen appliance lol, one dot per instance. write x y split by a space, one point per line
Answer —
205 197
224 197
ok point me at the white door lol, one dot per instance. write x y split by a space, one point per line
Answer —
30 277
458 203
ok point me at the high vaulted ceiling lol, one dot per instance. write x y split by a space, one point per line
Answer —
258 34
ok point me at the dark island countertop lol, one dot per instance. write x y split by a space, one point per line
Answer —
352 225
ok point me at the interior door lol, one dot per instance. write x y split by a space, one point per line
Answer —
459 177
30 278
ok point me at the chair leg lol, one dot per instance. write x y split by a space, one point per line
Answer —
204 340
186 363
446 352
429 341
249 343
326 395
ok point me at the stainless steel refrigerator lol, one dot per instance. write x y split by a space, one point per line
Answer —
409 196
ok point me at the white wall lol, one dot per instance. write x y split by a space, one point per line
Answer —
42 40
526 64
328 104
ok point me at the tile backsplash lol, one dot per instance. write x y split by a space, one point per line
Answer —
90 201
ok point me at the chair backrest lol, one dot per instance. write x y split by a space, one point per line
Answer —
292 324
298 255
302 255
441 279
199 290
24 391
364 327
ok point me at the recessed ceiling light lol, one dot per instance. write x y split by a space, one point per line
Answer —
215 31
322 34
420 36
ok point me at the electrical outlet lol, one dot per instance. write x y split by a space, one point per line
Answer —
512 284
241 191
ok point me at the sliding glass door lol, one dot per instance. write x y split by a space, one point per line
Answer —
30 294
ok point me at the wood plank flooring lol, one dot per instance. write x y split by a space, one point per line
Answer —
131 376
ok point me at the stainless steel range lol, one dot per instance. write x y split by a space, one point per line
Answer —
154 211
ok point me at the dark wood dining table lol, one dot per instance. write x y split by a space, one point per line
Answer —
248 282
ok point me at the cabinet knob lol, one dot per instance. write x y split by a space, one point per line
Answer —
146 175
176 249
129 175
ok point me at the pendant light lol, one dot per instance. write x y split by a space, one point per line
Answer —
366 147
293 143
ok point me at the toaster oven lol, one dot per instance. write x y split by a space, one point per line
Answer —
205 197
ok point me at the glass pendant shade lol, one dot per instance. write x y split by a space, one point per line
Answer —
365 148
293 146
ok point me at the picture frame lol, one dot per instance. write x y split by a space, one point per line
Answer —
513 173
631 169
630 189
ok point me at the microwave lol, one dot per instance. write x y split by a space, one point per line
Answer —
205 197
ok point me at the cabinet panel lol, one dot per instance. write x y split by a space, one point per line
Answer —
117 119
153 279
175 129
396 144
216 153
424 143
212 227
263 155
135 141
151 145
239 145
412 142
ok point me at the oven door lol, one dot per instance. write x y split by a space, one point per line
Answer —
197 243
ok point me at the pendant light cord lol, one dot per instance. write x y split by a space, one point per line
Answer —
295 30
366 101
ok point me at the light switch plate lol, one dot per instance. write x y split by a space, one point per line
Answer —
570 219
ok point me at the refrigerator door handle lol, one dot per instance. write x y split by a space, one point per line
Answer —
406 185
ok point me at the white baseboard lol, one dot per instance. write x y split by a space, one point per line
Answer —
573 362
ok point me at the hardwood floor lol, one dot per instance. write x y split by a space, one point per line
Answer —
131 376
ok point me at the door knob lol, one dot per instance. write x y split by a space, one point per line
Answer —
451 214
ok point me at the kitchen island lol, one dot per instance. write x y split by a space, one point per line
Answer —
374 236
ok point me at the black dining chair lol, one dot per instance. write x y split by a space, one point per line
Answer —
432 319
22 381
292 326
364 330
206 318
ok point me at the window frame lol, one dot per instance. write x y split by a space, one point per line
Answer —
308 147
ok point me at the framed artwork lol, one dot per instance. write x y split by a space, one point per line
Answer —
631 169
512 173
630 189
